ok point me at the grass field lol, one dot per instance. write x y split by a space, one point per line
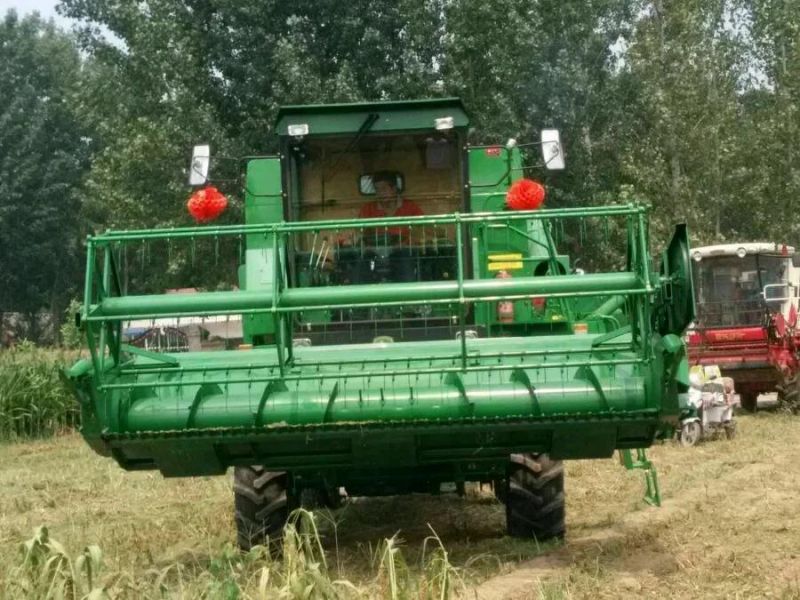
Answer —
729 528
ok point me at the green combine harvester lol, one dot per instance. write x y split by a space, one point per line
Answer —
410 322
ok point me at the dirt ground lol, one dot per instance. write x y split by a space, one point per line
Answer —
729 526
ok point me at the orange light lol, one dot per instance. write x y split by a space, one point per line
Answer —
580 328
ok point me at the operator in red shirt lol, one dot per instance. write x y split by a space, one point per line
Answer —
388 202
401 257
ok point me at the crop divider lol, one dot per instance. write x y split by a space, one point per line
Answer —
652 494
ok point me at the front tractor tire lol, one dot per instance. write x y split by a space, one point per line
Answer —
262 504
533 493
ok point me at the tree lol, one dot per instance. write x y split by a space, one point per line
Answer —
687 61
771 119
651 96
43 155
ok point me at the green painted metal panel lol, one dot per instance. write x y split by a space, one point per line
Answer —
392 117
676 264
216 400
263 204
492 170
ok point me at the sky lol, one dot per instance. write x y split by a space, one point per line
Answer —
47 8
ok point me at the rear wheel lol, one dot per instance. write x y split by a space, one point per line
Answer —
262 504
749 402
533 494
321 497
789 393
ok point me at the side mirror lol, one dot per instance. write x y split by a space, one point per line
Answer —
198 168
777 292
796 260
552 152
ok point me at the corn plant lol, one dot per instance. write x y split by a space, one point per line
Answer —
34 402
48 571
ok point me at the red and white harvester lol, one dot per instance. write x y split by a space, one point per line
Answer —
747 304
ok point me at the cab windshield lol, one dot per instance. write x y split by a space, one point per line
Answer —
347 178
728 288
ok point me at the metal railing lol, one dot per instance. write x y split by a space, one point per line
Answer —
106 306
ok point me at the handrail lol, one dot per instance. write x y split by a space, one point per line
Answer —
107 305
384 294
293 227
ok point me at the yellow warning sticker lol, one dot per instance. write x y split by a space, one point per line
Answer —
505 262
504 266
510 256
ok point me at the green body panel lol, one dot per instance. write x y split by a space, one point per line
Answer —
492 170
676 268
235 407
392 117
263 204
598 368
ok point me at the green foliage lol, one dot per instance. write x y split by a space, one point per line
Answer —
71 337
652 97
48 570
33 400
43 155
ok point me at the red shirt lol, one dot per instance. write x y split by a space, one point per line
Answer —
407 208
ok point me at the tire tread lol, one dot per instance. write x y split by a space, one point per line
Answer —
534 496
261 505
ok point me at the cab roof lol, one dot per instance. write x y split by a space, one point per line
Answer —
373 117
745 249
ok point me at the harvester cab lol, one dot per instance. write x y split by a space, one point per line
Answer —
342 166
410 316
747 303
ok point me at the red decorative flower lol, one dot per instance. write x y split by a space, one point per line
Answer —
525 194
207 204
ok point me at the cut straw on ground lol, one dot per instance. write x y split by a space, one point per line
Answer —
728 529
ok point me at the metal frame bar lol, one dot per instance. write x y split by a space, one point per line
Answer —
108 338
291 309
174 366
293 227
319 375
